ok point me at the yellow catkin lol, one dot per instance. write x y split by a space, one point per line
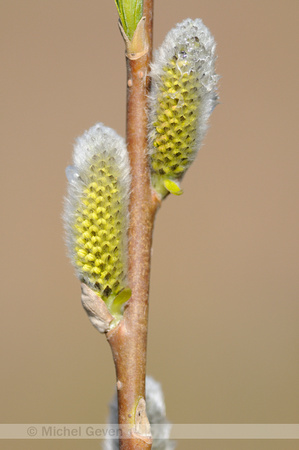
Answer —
98 229
182 98
96 211
178 108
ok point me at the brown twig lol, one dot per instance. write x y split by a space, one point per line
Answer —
128 340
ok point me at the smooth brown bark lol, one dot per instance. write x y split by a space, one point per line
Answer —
129 339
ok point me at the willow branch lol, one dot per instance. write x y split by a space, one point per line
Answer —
129 339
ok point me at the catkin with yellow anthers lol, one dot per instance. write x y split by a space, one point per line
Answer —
182 98
96 211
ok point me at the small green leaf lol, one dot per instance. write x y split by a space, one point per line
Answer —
130 13
173 187
119 300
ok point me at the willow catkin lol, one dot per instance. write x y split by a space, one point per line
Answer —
96 210
182 98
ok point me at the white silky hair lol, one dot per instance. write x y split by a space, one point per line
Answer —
202 62
155 410
101 141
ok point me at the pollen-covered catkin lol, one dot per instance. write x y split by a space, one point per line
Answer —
182 98
96 210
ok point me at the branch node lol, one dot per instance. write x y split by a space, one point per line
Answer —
138 46
142 429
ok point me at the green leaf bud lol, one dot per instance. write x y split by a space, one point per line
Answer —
130 13
183 95
96 213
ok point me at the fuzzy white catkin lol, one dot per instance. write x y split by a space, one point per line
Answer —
192 46
99 142
155 409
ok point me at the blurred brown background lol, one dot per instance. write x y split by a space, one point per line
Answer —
223 337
